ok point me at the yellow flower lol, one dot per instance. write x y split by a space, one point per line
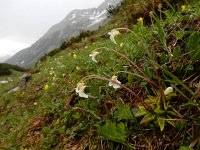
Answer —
46 87
183 7
80 90
115 86
74 56
93 55
140 19
112 34
121 45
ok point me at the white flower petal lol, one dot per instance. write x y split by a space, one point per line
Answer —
80 90
93 55
115 86
168 91
112 34
82 94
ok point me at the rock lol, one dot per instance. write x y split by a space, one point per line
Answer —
14 90
25 78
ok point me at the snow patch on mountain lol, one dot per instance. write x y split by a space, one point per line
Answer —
97 21
72 17
97 15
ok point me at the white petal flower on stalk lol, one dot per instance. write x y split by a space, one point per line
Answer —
112 34
168 91
80 90
115 86
93 55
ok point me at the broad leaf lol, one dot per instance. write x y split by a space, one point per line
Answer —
161 123
194 47
123 113
159 110
185 148
142 111
112 131
147 118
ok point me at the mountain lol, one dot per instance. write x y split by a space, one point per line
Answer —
70 26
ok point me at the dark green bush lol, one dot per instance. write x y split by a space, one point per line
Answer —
5 69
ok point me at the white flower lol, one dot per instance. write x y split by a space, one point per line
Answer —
112 34
80 90
168 91
115 86
93 55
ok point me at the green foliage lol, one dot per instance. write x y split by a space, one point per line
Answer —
113 10
194 47
185 148
163 111
5 69
82 35
113 131
123 112
50 54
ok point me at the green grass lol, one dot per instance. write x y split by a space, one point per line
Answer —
150 59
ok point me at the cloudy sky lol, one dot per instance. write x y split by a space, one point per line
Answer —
22 22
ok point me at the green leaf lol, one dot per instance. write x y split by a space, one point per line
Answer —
176 80
112 131
194 47
142 111
173 112
176 52
147 118
170 96
161 123
185 148
164 58
180 34
189 68
151 99
76 115
123 113
159 110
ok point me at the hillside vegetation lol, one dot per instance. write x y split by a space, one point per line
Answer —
137 87
6 69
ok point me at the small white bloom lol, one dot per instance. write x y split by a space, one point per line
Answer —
93 55
168 91
112 34
80 90
115 86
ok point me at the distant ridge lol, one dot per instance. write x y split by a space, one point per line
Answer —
70 26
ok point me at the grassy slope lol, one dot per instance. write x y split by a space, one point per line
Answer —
58 118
